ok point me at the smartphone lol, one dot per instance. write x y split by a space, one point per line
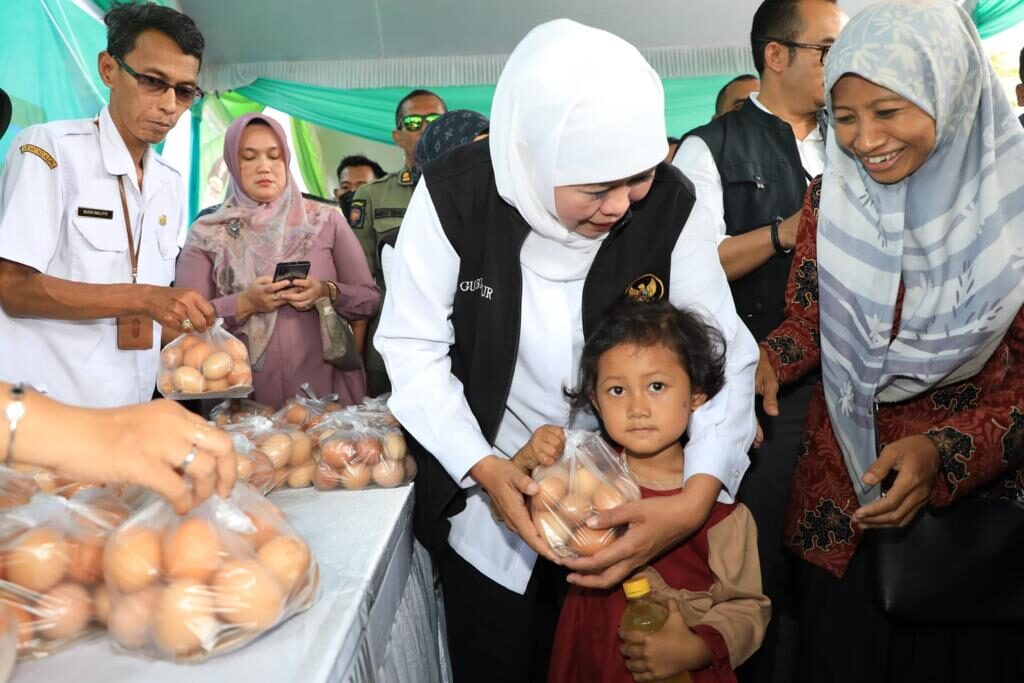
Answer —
291 270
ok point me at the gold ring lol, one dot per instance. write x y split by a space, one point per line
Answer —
187 325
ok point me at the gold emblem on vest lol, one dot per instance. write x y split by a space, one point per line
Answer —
646 288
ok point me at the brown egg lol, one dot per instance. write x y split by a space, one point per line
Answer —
410 468
552 529
287 558
247 594
388 473
130 616
369 450
85 561
236 349
262 469
131 559
277 447
266 527
355 476
240 375
95 520
301 476
587 541
584 482
26 623
332 407
165 382
217 365
244 467
217 385
101 603
183 619
312 422
188 380
324 478
171 357
302 448
552 489
188 341
557 471
574 509
195 356
38 561
296 414
394 446
191 551
337 452
607 497
65 611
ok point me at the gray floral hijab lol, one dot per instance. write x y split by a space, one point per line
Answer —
953 232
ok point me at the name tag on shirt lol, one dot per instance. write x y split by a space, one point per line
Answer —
95 213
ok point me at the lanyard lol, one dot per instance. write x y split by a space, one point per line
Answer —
133 251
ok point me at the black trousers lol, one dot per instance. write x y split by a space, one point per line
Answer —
765 490
494 634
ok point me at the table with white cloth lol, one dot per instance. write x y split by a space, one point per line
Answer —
377 618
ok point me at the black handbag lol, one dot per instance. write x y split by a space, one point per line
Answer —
963 564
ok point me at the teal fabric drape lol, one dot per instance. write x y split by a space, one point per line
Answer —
306 146
370 113
995 16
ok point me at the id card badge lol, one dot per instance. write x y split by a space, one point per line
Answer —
134 333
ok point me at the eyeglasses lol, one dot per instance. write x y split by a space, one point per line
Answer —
823 49
151 85
413 122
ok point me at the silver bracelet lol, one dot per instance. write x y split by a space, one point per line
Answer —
13 413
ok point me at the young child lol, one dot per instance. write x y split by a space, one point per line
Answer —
644 370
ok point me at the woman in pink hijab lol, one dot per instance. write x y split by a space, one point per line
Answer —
230 257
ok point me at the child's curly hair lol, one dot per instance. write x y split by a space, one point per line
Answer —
699 345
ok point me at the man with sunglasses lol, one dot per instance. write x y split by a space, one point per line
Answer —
378 208
752 166
90 217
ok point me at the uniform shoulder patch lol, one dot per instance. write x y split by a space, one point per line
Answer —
357 213
646 288
39 152
405 178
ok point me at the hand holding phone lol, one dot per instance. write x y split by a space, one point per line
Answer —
291 270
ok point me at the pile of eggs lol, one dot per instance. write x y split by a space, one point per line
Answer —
235 410
52 573
194 589
569 495
193 366
273 456
355 459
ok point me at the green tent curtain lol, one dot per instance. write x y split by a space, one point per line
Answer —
306 146
995 16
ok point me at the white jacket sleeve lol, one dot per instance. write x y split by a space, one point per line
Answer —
414 335
695 160
721 430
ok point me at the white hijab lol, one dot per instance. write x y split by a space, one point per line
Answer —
574 105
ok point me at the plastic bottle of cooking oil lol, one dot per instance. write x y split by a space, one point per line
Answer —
644 614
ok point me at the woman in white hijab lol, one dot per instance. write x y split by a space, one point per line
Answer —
511 249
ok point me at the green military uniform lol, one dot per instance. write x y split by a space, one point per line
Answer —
377 210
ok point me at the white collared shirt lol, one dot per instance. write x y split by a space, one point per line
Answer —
415 334
66 221
695 160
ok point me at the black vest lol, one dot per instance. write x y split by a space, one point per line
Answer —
488 235
762 177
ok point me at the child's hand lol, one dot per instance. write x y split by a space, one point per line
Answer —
544 448
670 650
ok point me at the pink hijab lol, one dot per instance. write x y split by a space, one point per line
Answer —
248 239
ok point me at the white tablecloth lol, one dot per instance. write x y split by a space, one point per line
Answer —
377 618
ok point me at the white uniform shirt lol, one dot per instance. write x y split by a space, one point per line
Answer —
415 334
694 159
67 222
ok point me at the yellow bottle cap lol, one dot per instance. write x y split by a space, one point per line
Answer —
637 588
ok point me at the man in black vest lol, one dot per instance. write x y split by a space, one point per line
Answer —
752 166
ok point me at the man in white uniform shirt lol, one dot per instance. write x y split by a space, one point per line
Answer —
89 222
752 167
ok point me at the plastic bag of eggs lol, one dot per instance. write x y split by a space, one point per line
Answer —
253 466
304 413
185 588
52 569
9 628
289 450
590 477
236 409
210 364
356 455
18 484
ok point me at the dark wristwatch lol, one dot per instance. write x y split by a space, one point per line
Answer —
776 242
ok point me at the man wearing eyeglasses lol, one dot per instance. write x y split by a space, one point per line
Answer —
752 166
89 221
378 207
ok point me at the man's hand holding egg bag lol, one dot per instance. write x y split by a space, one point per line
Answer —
210 364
